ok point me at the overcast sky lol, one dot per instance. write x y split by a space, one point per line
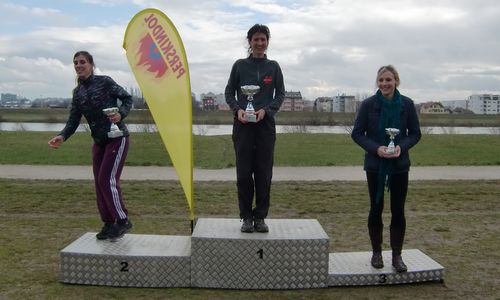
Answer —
443 49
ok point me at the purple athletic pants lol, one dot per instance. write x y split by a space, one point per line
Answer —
108 161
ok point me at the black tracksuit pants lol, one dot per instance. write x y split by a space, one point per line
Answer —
254 149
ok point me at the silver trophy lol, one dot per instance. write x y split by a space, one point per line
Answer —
114 131
250 90
392 132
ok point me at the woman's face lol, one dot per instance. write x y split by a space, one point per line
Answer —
387 84
259 44
83 67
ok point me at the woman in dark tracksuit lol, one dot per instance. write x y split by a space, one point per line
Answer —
254 141
387 109
93 94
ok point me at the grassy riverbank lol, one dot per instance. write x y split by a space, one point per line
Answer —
282 118
456 223
215 152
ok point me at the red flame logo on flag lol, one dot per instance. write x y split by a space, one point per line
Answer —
150 56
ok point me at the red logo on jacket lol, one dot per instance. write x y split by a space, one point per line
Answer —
268 80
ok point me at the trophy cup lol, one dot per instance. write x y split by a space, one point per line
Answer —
392 132
250 90
114 131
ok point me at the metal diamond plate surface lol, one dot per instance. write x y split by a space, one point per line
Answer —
279 229
353 268
293 255
134 260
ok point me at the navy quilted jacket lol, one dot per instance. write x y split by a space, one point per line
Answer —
365 133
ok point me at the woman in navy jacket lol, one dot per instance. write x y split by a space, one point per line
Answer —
387 109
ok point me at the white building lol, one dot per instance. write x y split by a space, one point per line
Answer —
484 104
344 103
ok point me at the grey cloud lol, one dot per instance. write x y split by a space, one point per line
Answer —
444 49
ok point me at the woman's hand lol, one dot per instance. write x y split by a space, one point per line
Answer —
115 118
260 114
56 142
381 152
241 116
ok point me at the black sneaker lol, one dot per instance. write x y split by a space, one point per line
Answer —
104 233
260 225
247 226
118 230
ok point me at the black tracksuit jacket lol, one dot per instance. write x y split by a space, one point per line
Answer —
256 71
90 97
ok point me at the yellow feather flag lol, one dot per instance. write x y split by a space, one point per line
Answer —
158 60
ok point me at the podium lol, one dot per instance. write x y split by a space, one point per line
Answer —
294 254
354 268
134 261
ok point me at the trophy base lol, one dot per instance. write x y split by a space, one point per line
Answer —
115 134
391 148
251 118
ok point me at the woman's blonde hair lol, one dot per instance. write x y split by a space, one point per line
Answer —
391 69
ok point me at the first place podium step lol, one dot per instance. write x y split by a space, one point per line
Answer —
292 255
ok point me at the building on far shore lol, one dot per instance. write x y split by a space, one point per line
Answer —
292 102
344 103
433 108
8 100
211 101
484 104
323 104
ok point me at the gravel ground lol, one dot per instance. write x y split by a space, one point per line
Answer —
354 173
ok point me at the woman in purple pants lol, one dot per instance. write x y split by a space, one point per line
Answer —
91 96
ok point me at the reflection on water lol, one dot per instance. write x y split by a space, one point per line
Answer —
209 130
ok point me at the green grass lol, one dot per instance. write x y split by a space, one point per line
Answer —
215 152
454 222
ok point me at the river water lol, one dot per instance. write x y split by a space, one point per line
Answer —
210 130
